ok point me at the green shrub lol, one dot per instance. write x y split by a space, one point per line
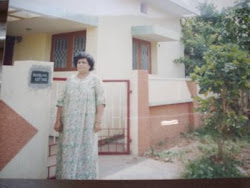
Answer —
207 167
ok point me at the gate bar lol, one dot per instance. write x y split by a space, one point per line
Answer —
128 112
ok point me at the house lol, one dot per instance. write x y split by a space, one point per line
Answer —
134 43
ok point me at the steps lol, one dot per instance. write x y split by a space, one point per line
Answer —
52 158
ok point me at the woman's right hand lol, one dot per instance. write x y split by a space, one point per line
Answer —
58 126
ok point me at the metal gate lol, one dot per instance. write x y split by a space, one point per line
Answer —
114 138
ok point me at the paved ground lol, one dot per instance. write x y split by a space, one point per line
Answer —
134 167
128 167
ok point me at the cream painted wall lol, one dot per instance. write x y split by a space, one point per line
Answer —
111 44
34 106
134 113
38 47
167 53
114 59
164 91
33 47
91 41
114 48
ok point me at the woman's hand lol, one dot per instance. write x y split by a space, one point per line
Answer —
58 126
98 117
97 126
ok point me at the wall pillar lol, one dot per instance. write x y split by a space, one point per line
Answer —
26 89
144 134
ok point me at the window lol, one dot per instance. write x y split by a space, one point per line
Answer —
141 55
64 46
144 8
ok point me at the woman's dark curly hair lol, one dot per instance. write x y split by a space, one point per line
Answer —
84 55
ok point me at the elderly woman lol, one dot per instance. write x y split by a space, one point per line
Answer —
79 115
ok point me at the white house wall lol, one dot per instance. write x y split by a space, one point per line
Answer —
34 106
134 113
114 49
114 59
110 42
163 91
167 53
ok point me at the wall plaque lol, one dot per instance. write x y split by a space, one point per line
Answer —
40 76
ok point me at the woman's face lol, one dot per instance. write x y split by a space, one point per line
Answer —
83 65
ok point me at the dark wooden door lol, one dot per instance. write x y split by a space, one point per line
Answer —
9 50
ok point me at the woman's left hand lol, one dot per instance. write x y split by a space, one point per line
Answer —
97 127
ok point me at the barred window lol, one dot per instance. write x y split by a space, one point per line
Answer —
64 46
141 55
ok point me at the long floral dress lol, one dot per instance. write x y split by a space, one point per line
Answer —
77 156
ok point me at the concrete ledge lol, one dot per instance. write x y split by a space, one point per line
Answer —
168 91
160 78
154 33
54 11
170 102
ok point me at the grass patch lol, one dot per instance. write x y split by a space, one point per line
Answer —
170 155
200 159
209 167
208 146
208 143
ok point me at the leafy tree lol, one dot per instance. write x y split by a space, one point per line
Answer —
225 73
198 34
217 58
214 28
235 24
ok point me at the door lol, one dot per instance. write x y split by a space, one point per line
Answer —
141 55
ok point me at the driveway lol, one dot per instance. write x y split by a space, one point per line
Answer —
115 167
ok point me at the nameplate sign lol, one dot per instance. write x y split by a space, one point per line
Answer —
40 76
